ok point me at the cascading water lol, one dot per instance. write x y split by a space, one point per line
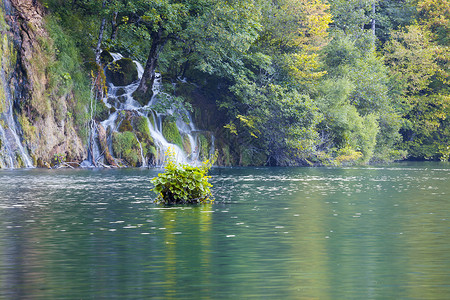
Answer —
12 152
121 104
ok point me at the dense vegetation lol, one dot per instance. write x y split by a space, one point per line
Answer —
182 183
289 82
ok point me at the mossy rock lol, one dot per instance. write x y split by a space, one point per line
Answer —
187 147
152 150
151 117
106 57
125 126
125 146
122 99
204 146
122 72
143 98
224 158
102 111
171 133
120 92
141 126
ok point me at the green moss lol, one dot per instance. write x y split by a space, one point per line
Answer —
3 124
29 131
225 156
187 147
19 160
152 150
151 118
125 126
203 147
171 133
3 25
102 111
125 146
141 125
2 98
122 72
141 97
106 57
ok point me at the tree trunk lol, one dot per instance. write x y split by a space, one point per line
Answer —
114 26
144 91
100 37
373 23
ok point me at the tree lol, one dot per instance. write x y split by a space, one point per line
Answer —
274 122
293 32
352 16
157 21
415 61
392 15
356 99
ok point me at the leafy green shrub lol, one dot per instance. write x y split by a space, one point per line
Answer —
182 184
347 155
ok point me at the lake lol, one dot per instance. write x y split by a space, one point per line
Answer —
379 232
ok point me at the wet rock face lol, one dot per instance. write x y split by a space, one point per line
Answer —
122 72
46 130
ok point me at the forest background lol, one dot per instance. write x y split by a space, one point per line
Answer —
282 82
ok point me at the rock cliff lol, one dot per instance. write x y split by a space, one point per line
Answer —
42 100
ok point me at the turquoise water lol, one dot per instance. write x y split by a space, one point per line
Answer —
273 233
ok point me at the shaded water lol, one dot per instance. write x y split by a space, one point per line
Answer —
274 233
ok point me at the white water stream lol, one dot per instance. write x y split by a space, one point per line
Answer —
12 152
120 97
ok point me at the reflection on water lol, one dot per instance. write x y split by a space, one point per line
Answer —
273 233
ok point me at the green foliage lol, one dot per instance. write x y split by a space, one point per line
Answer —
416 62
182 184
350 16
392 15
67 72
280 120
347 155
174 106
291 90
358 100
411 57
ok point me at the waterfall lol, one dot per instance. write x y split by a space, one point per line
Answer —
142 152
12 152
122 105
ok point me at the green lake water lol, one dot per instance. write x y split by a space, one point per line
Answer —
273 233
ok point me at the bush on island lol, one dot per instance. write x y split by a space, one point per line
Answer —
183 183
